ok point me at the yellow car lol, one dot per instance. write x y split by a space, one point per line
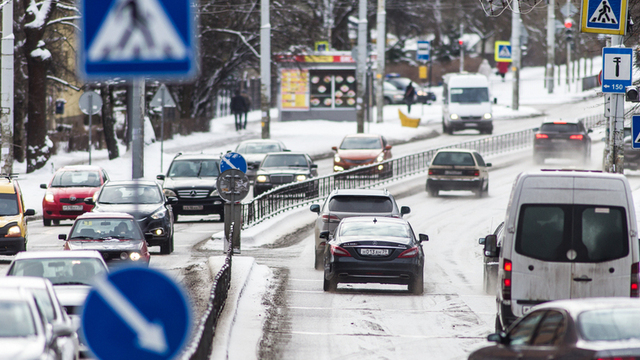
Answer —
13 223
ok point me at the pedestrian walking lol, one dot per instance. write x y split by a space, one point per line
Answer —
247 106
237 108
409 96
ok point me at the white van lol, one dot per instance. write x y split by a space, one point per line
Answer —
466 104
567 234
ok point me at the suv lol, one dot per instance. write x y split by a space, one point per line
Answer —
561 139
458 169
343 203
13 222
192 179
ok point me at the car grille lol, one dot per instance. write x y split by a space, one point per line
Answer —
193 193
470 118
68 201
357 161
281 179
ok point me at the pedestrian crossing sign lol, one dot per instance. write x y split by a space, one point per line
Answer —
137 38
604 17
502 51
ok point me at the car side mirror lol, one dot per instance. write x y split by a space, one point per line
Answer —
536 129
491 246
160 177
314 166
62 237
388 147
89 201
495 100
172 200
589 131
405 210
43 186
286 150
423 237
315 208
62 330
334 148
29 212
488 164
501 338
324 235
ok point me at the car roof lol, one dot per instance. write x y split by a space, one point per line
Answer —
378 219
32 282
7 186
196 157
364 135
362 192
80 168
58 254
130 182
577 306
13 295
104 215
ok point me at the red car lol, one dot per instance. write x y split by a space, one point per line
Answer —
64 199
361 149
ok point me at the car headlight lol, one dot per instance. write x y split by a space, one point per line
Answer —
48 197
214 193
134 256
454 116
301 177
338 168
336 158
159 214
14 231
261 178
487 116
421 93
380 157
169 193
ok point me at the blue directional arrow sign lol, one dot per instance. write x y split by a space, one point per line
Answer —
424 50
604 16
635 131
617 64
135 38
233 160
136 314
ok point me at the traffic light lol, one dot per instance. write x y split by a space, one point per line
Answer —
568 29
632 94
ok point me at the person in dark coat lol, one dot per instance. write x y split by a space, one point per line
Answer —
237 108
409 96
247 107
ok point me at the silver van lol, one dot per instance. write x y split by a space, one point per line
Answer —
567 234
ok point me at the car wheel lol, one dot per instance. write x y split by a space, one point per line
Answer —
24 246
175 217
444 128
330 285
56 222
171 241
416 286
221 216
434 192
486 191
319 260
480 190
165 249
46 222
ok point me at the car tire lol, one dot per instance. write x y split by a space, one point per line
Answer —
175 217
319 261
172 243
480 191
444 128
416 286
46 222
56 222
165 249
330 285
498 324
433 192
221 216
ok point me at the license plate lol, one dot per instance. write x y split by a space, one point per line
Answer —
192 207
72 207
558 140
374 252
452 172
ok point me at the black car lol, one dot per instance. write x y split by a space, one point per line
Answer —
283 168
146 202
369 249
192 180
254 152
561 139
491 263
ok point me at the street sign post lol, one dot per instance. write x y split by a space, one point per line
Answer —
424 51
232 186
617 65
162 99
233 160
136 313
635 131
503 51
604 16
90 103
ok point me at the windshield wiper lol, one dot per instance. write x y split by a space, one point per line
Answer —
82 237
111 237
71 283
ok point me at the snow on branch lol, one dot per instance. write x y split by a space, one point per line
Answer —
39 14
67 7
64 19
4 3
244 40
63 82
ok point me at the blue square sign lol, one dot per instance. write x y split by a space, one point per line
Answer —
617 64
136 38
635 131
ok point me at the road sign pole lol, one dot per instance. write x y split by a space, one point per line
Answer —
137 134
161 128
551 44
6 101
515 54
265 68
618 121
90 113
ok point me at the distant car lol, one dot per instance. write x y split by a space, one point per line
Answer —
70 185
284 168
70 272
192 180
422 95
561 139
392 95
631 155
254 152
13 217
53 313
146 202
491 263
361 149
458 169
344 203
24 334
369 249
116 236
595 328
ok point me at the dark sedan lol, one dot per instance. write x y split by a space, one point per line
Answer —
254 152
371 249
594 328
148 205
284 168
561 139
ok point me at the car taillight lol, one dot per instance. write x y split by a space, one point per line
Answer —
575 137
476 173
506 281
430 172
330 218
635 280
542 136
409 253
338 251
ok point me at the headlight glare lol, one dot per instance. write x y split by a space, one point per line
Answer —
261 178
301 177
14 231
134 256
454 116
159 214
380 157
336 158
487 116
48 197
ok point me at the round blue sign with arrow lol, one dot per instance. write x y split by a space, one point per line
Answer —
233 160
136 313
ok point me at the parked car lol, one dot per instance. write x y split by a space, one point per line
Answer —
392 94
344 203
596 328
631 155
192 180
458 169
24 334
254 152
13 217
491 263
52 312
423 95
116 236
362 149
370 249
284 168
146 202
70 185
561 139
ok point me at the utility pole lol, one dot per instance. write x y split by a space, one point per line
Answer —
381 46
461 43
551 44
617 122
6 113
328 19
362 63
515 53
137 106
265 68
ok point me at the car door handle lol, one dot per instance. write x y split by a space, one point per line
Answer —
582 279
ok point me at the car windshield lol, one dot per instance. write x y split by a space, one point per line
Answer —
361 204
102 229
284 161
400 83
454 158
76 179
16 319
8 204
374 229
258 148
130 194
359 142
610 324
194 168
60 271
469 95
560 128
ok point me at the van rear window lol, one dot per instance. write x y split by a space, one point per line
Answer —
361 204
594 233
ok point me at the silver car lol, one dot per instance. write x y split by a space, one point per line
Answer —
254 152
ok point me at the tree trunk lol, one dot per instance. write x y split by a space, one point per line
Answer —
38 152
106 92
